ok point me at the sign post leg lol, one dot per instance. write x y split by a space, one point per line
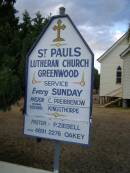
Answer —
57 157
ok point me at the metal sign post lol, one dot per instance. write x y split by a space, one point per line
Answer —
57 156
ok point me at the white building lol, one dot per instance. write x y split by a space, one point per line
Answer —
115 73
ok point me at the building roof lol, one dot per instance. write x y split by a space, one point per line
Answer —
125 52
111 48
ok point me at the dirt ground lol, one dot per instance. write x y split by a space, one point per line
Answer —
109 151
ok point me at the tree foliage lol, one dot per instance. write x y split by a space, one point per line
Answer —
15 41
9 81
128 34
96 79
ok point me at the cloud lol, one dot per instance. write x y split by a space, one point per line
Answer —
99 12
100 22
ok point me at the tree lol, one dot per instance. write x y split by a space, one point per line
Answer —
39 23
15 41
128 34
96 79
9 48
29 31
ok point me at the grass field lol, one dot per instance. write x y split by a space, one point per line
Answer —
109 151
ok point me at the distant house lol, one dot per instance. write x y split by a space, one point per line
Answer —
115 74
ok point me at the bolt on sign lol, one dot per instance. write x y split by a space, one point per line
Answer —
59 72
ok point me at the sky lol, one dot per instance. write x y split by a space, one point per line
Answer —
101 22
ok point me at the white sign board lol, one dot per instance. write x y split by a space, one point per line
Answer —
59 84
